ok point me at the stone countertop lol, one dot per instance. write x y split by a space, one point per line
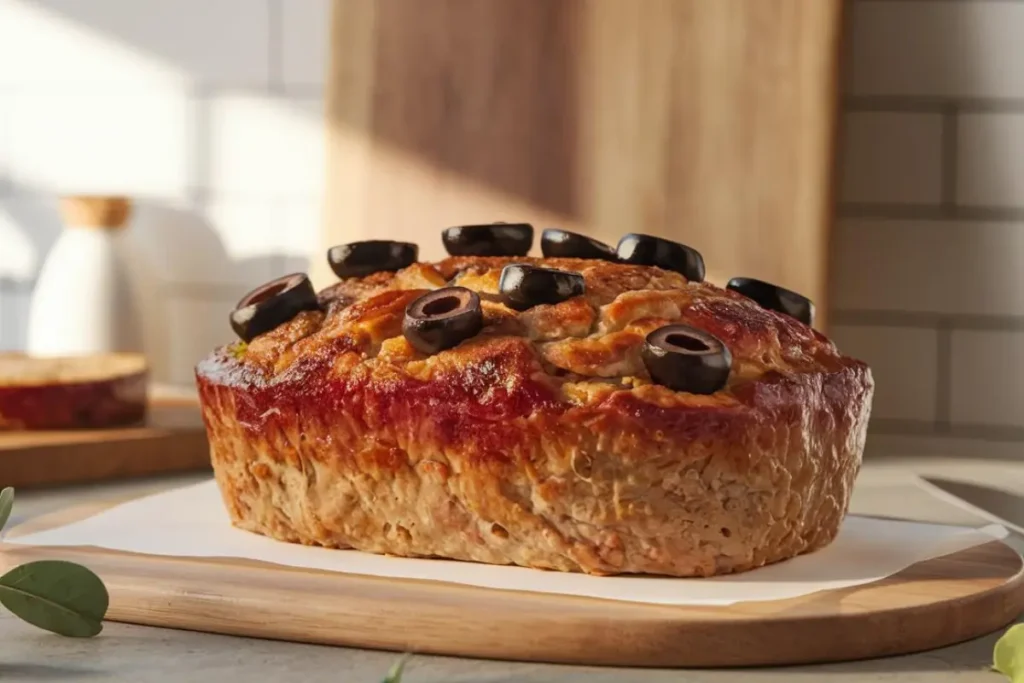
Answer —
142 654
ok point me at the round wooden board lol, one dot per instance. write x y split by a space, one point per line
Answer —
932 604
172 439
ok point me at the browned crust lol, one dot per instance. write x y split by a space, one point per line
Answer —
72 393
541 442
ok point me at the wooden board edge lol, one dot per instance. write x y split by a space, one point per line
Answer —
409 615
185 451
403 615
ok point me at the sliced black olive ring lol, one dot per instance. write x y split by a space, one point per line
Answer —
495 239
684 358
774 298
443 319
556 243
273 304
524 286
647 250
359 259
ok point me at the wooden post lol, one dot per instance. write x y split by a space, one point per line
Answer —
708 122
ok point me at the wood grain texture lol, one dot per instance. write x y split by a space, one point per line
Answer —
173 439
929 605
708 122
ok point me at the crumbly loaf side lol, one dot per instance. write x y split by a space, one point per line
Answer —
69 393
541 442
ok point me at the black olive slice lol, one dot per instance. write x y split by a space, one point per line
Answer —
684 358
647 250
524 286
443 319
360 259
495 239
774 298
273 304
556 243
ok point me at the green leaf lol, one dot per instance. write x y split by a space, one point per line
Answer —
58 596
395 674
6 503
1008 656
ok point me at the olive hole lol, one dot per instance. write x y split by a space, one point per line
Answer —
268 293
441 306
686 342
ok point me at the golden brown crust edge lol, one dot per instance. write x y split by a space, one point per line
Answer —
333 432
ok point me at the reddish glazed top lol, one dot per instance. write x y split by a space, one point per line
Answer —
577 360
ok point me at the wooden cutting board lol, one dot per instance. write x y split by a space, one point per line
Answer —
172 439
711 123
932 604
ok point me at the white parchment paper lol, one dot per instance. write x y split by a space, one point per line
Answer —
192 522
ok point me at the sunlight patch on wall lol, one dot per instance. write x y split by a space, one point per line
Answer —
40 47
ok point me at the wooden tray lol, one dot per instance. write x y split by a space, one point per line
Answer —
172 440
929 605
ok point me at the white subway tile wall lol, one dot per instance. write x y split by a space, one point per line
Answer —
183 350
907 352
13 313
262 146
937 48
892 157
304 53
5 144
96 141
216 241
219 43
20 255
986 388
928 254
990 159
209 112
929 266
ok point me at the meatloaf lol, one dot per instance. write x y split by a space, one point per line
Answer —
541 441
102 390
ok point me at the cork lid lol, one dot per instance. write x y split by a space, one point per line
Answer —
106 212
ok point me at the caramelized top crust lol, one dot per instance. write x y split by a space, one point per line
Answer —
584 352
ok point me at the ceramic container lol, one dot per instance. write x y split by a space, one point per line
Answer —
87 297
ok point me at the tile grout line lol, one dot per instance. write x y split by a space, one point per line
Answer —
928 320
940 211
199 153
275 47
930 104
881 426
949 158
868 2
943 377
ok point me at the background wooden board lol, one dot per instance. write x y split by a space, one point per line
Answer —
708 122
172 439
932 604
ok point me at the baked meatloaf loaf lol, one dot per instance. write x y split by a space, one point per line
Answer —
605 413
